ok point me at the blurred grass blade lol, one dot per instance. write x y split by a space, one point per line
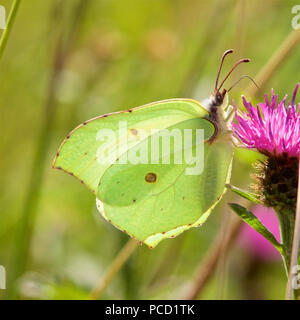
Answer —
10 22
207 266
114 268
252 221
26 223
277 60
245 194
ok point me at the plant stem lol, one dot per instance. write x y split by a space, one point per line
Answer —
25 227
10 22
275 61
222 264
114 268
208 266
295 247
286 221
26 224
241 26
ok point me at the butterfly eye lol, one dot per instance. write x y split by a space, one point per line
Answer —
219 99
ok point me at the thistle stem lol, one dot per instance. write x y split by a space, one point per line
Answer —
114 268
286 221
10 22
295 248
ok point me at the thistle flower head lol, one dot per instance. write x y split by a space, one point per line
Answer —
272 127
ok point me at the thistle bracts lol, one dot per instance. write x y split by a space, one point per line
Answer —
276 180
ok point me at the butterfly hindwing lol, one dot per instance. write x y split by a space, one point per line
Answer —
154 201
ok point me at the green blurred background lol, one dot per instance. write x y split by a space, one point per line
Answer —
71 60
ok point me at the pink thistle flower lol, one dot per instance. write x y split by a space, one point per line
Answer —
273 128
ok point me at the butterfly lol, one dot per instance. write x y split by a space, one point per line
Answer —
145 185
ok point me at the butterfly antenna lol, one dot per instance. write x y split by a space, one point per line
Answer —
229 73
241 78
221 64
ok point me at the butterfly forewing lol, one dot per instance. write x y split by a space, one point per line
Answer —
82 150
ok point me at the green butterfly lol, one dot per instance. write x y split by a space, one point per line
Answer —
154 195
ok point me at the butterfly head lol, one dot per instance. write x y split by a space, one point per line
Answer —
217 98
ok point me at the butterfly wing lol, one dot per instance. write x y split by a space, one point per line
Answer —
83 150
148 211
152 202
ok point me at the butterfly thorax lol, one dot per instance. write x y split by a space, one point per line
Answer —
215 105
